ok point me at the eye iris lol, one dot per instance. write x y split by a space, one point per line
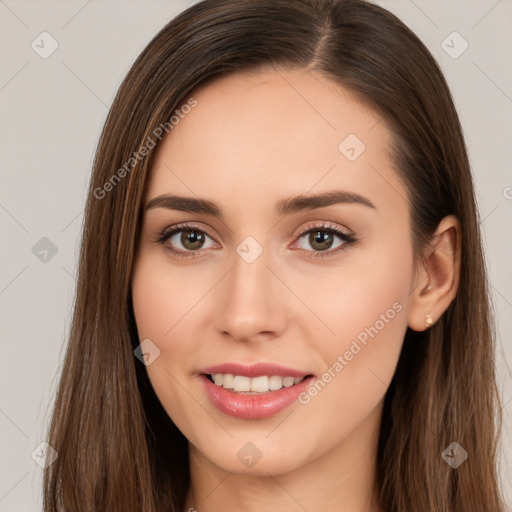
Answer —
323 238
194 238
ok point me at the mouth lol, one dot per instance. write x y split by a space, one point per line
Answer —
260 385
253 391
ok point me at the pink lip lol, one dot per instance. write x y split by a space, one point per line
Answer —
254 370
253 407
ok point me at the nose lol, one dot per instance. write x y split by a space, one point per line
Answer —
250 302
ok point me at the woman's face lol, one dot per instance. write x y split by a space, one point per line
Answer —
263 278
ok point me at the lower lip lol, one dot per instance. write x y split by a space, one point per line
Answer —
253 407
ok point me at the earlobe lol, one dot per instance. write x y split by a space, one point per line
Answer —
437 276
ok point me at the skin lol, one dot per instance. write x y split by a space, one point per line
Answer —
253 139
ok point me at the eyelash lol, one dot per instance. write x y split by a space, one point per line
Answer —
347 238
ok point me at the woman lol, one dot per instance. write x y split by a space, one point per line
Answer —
282 300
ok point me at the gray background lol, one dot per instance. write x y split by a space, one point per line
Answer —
51 113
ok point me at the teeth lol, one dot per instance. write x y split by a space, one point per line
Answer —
248 385
259 384
241 383
275 382
227 380
287 382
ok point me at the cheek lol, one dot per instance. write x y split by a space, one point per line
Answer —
162 297
366 307
160 310
369 290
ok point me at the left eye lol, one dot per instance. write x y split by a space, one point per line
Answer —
323 239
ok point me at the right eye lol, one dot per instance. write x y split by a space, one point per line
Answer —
190 237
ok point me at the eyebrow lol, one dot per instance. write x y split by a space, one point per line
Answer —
283 207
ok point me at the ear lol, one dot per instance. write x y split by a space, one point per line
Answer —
437 276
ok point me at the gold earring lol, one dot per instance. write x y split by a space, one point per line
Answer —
428 321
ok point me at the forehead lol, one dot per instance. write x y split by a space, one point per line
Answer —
274 133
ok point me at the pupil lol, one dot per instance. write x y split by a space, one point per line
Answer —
192 239
322 238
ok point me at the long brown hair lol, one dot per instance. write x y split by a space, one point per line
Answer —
117 448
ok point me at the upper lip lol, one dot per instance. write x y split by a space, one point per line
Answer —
254 370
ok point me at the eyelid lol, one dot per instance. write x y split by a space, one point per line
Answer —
182 226
323 225
312 225
347 237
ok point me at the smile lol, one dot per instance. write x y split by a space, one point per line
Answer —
253 405
255 385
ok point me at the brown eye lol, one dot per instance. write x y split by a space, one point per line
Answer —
321 240
184 240
192 239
